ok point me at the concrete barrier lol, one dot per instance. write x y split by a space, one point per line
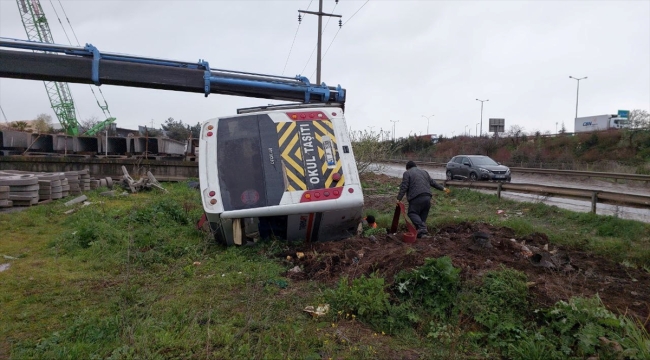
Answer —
141 145
114 145
63 143
171 147
85 144
100 168
41 143
10 139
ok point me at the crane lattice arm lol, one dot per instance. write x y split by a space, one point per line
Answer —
38 29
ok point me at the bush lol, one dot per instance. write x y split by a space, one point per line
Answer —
433 286
366 298
500 305
583 327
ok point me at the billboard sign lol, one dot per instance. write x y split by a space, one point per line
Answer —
497 125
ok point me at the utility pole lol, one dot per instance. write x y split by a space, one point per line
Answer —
320 15
476 132
394 121
577 93
482 101
427 117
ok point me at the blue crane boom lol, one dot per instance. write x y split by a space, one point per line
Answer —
88 65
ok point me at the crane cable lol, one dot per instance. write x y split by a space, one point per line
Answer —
104 108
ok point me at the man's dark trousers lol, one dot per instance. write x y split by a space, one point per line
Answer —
418 212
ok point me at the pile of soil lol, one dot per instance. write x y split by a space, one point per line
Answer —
477 248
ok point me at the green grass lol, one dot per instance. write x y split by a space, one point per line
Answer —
619 239
130 277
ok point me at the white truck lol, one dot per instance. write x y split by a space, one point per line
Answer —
600 122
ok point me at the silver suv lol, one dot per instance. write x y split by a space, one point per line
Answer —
476 167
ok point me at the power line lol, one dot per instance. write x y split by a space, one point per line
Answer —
364 4
294 40
337 32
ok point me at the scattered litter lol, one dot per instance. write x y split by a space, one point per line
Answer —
319 311
108 193
300 255
499 212
4 267
77 200
69 211
222 275
289 258
197 263
296 269
9 257
530 284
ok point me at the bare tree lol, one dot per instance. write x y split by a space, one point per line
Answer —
43 123
639 119
369 150
516 133
88 123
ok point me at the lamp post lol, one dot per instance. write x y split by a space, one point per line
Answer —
482 101
476 132
394 121
577 93
427 117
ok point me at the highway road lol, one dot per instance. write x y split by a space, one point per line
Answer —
632 187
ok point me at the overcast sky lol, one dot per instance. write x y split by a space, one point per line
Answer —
398 60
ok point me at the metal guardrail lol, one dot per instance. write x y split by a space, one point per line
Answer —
595 197
608 175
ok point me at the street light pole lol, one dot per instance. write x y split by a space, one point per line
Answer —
394 121
482 101
427 117
577 92
476 132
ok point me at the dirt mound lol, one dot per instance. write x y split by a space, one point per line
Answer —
557 273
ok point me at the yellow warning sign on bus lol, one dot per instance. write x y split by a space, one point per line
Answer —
308 151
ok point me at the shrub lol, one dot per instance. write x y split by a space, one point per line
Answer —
433 286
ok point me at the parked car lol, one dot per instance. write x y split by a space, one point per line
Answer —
476 167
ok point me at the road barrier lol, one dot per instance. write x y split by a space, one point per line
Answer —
594 196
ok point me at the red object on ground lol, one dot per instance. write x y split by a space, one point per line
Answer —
411 235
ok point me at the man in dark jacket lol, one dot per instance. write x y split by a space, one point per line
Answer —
416 184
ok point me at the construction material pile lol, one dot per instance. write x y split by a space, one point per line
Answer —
23 188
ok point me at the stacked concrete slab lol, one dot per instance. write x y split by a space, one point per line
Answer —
4 197
73 182
23 189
